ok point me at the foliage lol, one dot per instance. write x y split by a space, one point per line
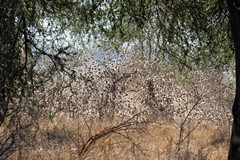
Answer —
190 33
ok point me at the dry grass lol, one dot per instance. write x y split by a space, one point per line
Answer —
62 139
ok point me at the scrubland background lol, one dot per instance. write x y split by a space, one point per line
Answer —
129 110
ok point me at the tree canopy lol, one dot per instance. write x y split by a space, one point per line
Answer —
191 33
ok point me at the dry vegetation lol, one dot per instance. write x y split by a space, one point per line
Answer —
65 139
134 110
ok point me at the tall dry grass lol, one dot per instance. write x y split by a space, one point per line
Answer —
64 139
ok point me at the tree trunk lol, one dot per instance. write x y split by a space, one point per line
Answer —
234 150
8 56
